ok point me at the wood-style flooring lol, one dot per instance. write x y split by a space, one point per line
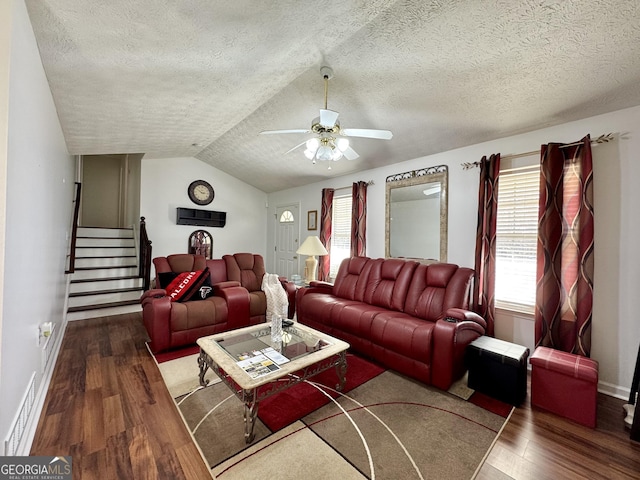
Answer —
108 408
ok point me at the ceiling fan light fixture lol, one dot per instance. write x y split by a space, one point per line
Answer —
313 144
342 144
336 154
330 143
324 153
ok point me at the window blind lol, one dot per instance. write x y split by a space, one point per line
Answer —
516 238
341 232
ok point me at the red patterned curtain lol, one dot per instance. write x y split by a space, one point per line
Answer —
485 267
564 294
359 219
325 233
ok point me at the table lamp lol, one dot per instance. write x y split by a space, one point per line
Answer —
312 246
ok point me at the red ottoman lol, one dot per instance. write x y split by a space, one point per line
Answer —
565 384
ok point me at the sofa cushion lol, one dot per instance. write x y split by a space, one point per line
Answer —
190 315
351 279
388 282
165 278
186 285
180 262
404 334
205 291
246 268
437 287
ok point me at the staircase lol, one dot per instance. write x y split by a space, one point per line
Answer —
106 279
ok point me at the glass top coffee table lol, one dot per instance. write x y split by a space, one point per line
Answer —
254 367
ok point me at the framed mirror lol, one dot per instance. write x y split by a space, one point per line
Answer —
201 243
416 214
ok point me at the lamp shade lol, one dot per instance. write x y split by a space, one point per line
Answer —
312 246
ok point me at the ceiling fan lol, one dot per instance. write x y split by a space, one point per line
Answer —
331 142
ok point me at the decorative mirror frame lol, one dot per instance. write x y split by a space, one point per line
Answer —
201 243
440 174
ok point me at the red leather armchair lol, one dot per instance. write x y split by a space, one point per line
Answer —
234 303
410 317
248 269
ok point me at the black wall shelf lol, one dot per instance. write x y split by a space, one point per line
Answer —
201 218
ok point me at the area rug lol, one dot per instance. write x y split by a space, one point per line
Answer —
388 426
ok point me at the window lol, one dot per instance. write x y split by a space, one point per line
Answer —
516 238
341 232
286 217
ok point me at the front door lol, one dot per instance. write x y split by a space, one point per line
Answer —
287 241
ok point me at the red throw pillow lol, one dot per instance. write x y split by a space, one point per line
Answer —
186 284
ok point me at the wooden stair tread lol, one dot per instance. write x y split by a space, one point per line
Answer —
105 292
106 266
99 306
104 279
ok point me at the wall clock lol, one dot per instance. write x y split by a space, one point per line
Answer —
200 192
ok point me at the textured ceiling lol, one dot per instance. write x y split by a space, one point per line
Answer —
201 78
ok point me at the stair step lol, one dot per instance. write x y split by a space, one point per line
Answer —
99 262
105 292
86 252
85 299
104 232
93 273
88 280
118 308
105 242
96 285
98 306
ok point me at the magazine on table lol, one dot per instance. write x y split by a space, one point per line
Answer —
258 363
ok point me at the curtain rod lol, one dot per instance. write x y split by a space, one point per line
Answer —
605 138
370 182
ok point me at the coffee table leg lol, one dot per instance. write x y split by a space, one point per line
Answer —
341 370
250 413
203 369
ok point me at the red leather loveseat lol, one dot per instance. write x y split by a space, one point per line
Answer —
410 317
235 299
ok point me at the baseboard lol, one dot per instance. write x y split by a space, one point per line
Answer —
24 447
615 391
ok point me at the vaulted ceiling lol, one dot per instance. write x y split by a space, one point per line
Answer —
174 78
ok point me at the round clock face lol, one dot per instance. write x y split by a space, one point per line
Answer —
200 192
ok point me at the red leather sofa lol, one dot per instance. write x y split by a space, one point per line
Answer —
410 317
236 301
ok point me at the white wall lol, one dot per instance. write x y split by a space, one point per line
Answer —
40 186
616 327
164 188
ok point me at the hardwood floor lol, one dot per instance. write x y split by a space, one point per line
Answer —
108 408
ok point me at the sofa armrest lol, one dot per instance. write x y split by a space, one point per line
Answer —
227 284
153 293
290 289
314 287
450 339
156 314
460 314
237 299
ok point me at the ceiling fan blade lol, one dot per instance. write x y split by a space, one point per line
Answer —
367 133
297 146
328 118
350 154
297 130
